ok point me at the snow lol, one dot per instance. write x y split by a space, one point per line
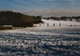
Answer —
55 23
33 40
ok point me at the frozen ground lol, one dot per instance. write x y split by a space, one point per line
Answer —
40 41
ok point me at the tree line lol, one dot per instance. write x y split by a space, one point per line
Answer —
37 19
18 19
77 18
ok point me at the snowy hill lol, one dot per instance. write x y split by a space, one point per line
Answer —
55 23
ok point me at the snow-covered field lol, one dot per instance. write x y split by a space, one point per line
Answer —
40 41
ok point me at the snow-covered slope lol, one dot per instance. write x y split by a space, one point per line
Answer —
55 23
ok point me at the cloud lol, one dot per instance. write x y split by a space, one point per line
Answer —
47 0
55 12
73 2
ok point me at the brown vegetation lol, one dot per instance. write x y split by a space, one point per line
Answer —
15 19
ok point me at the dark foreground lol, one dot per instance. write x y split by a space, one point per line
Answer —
40 42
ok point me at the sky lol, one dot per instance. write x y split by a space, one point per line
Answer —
43 7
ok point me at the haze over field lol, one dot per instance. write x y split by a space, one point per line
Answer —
43 7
